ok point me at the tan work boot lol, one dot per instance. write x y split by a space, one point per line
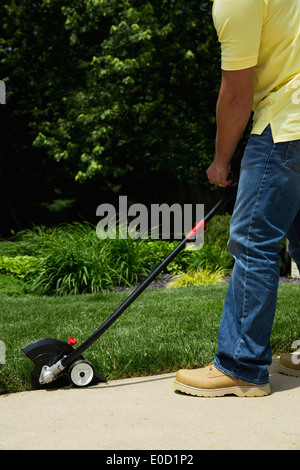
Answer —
210 382
289 364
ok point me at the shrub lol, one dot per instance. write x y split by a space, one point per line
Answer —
71 259
20 266
160 249
130 259
214 253
200 277
214 256
11 286
218 230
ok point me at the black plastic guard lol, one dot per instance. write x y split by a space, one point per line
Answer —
46 352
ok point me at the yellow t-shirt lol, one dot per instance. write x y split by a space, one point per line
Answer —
265 34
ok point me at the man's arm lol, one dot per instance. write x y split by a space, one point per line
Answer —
233 112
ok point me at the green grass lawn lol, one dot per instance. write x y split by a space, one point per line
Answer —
163 330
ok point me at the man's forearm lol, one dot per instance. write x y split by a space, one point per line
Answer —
233 112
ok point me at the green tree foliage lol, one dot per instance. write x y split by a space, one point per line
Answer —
146 98
109 89
39 69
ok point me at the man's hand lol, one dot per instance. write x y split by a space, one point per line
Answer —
218 173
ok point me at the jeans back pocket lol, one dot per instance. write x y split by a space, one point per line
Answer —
292 158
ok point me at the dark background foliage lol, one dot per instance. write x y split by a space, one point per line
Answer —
104 97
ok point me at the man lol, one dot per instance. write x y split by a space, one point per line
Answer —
260 43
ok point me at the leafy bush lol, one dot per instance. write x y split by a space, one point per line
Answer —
11 286
218 230
200 277
160 249
214 253
130 259
71 259
213 256
19 266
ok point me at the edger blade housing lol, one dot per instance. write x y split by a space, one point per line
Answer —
46 352
47 355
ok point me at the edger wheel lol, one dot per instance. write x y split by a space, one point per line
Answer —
81 374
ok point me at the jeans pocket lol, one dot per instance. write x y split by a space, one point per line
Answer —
292 158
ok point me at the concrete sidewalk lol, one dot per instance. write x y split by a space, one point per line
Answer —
147 414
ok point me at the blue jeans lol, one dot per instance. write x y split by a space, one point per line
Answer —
267 209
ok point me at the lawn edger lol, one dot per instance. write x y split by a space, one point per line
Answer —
58 361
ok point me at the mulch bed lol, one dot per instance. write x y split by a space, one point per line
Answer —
161 282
